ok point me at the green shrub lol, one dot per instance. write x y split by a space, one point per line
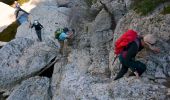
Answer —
166 10
9 33
145 6
90 2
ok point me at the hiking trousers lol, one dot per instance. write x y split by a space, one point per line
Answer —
139 66
38 32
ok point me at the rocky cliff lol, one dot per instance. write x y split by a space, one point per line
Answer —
85 70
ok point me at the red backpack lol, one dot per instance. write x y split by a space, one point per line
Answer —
123 41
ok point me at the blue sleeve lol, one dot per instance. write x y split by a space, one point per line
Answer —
65 35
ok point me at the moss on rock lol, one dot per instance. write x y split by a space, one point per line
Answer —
166 10
145 6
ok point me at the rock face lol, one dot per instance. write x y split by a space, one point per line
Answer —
85 69
51 17
7 16
132 89
22 58
3 43
84 75
154 25
36 88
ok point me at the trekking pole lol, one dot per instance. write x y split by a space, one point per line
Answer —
114 60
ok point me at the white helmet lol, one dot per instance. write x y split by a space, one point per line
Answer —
35 22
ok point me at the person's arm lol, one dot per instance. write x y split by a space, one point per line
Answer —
70 34
40 25
152 48
32 25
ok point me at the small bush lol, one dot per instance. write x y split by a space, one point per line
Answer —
145 6
166 10
90 2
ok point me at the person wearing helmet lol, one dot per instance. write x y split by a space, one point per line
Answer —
38 28
128 61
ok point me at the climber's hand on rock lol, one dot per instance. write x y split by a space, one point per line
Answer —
156 50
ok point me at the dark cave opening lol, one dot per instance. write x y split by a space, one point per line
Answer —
47 71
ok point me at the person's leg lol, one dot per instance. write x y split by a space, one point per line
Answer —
16 13
141 67
39 34
23 11
61 46
122 72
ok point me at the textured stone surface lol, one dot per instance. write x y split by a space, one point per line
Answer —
83 72
7 16
35 88
144 25
21 58
83 76
132 89
51 17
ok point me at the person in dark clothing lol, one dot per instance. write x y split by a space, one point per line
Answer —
18 9
38 28
127 57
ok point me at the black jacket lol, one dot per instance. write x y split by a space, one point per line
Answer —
131 51
37 27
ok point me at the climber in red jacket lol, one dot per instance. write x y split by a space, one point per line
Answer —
127 55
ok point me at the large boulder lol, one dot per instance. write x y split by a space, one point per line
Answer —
7 16
35 88
117 8
100 34
71 81
132 89
22 58
157 64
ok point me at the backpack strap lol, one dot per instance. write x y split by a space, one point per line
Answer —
137 42
124 52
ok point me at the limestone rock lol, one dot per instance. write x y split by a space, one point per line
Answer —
133 89
2 43
22 58
100 34
102 22
63 2
117 8
81 85
35 88
144 25
7 16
